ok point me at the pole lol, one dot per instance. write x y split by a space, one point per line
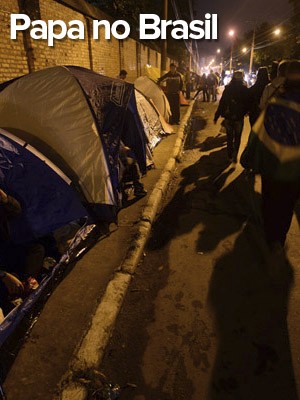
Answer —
163 64
230 65
252 51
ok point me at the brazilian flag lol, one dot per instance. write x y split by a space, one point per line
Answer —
273 148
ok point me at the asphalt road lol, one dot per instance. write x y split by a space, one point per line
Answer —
205 318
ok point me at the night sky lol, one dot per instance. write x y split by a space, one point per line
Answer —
237 14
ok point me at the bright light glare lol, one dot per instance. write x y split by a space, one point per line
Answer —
277 32
219 51
244 50
231 33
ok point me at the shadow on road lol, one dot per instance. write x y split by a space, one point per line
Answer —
253 358
202 189
250 310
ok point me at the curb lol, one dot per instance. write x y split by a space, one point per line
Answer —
91 349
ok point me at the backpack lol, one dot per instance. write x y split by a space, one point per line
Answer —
211 80
234 110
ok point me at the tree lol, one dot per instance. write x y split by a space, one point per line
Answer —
295 29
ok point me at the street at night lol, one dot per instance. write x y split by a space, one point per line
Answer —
149 200
215 323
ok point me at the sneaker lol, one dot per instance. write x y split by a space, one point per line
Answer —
140 192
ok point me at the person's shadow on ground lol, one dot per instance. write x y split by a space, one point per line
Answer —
250 308
200 194
253 360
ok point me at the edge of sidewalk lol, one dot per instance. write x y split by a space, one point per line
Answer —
91 349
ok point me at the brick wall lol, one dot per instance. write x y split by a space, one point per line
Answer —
13 60
107 57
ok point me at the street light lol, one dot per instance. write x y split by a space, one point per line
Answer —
252 50
244 50
277 32
231 34
219 51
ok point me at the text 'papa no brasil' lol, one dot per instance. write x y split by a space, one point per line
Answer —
150 27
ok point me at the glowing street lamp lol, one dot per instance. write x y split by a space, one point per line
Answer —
219 51
277 32
231 34
244 50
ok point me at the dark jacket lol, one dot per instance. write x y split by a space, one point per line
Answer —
255 93
7 211
174 82
234 103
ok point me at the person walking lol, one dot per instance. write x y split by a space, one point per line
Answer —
233 107
273 151
255 93
174 86
212 84
202 87
276 85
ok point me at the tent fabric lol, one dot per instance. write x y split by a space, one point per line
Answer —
150 119
133 134
183 100
151 90
76 118
153 73
167 128
46 197
48 110
113 105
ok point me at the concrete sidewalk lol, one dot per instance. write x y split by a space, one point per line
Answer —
66 318
204 319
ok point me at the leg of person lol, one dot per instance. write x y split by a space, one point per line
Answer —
203 95
5 303
206 95
197 93
229 132
135 173
238 129
214 93
176 108
188 91
278 203
34 259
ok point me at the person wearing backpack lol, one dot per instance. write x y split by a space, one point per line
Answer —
255 93
276 87
273 151
233 107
